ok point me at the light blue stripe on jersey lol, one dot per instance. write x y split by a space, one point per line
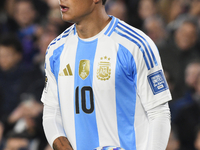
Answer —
140 47
55 64
55 61
85 122
114 26
151 51
111 25
125 86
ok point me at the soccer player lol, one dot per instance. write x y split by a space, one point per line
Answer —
104 84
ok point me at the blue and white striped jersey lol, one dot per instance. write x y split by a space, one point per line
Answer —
104 85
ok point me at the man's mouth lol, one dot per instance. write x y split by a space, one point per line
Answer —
64 8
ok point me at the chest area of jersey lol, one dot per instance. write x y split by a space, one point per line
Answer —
86 62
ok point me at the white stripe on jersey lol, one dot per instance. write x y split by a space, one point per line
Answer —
68 89
106 108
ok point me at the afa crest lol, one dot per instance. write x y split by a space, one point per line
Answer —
104 69
84 68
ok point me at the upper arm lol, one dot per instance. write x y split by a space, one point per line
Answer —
152 87
49 95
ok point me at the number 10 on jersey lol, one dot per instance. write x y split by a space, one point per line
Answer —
84 100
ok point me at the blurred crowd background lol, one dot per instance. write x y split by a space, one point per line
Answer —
26 29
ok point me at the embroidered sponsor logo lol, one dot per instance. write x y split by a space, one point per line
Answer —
104 69
157 82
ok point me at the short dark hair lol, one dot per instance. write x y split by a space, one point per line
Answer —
11 40
103 2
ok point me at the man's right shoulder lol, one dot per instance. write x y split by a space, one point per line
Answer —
61 39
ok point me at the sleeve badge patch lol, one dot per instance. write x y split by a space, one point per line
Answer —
46 85
157 82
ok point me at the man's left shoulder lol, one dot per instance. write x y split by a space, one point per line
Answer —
61 39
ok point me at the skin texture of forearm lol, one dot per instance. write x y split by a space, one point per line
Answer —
62 143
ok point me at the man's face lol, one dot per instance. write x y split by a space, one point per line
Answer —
76 10
186 36
8 57
24 13
191 74
155 30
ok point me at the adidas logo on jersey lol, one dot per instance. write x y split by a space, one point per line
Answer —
66 72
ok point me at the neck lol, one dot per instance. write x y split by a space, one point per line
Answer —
92 24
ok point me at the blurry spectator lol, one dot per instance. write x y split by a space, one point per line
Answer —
42 10
48 147
54 15
154 27
171 9
186 36
118 9
9 7
188 118
192 72
17 142
146 9
29 31
28 120
29 108
17 78
194 10
25 13
7 22
11 73
183 9
179 50
50 32
132 13
173 143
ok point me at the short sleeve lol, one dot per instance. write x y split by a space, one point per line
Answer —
152 86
